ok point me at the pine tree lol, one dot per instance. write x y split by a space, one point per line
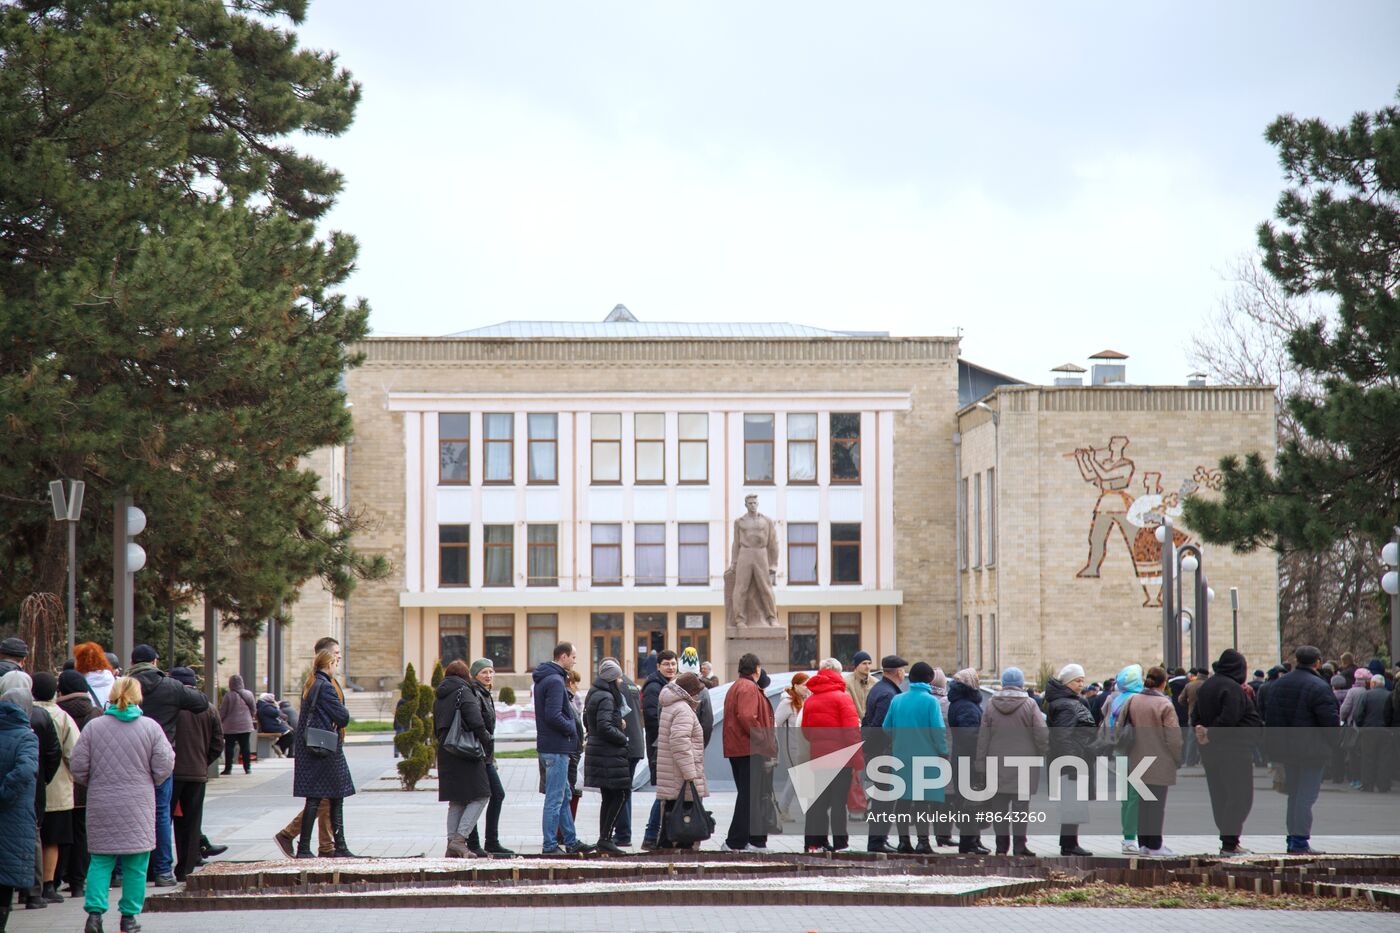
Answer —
169 321
437 674
1338 239
414 729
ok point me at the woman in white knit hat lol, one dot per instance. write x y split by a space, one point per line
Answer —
1072 734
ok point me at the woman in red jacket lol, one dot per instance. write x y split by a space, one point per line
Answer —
830 725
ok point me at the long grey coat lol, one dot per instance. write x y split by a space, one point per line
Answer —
121 763
237 711
1012 725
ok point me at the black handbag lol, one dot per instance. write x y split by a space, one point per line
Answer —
461 742
770 821
689 821
319 743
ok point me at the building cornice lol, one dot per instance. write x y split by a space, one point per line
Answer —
627 598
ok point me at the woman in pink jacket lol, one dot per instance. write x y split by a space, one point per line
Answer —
680 747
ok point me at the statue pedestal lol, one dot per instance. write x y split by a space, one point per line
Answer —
769 642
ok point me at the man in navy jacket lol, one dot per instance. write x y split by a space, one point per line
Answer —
556 737
1301 733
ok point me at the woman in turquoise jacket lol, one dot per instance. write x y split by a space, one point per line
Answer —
915 725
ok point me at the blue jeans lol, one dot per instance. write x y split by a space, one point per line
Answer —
164 855
653 829
1301 782
556 806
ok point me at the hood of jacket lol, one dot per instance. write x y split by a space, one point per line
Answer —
1009 700
147 673
957 690
1232 665
675 693
1054 690
1129 679
826 681
236 682
451 684
125 715
12 717
546 670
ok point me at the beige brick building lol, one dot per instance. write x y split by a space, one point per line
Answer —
538 481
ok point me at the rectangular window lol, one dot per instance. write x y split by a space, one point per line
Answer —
607 555
542 555
802 641
498 640
695 554
454 632
694 430
992 626
693 631
454 449
845 637
498 431
976 520
454 547
802 448
802 553
650 554
543 452
650 444
962 524
991 517
845 447
981 650
541 635
845 552
758 448
499 549
606 438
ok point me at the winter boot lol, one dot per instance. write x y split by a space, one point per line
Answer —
129 925
94 924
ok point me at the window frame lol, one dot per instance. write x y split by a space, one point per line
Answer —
486 629
681 547
594 443
801 622
834 439
487 441
637 546
857 543
531 547
455 440
810 443
530 626
531 441
465 546
465 631
771 444
976 521
593 554
991 533
841 620
682 441
487 547
815 546
963 533
638 441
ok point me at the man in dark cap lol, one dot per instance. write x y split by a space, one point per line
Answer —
162 699
13 651
1301 730
877 704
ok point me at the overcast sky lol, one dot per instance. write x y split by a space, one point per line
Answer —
1048 179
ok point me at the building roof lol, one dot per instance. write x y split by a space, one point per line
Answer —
621 323
1068 368
1109 355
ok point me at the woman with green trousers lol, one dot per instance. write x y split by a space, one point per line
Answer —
120 758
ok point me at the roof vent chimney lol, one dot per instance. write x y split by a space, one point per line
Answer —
1108 368
1070 375
620 313
1196 380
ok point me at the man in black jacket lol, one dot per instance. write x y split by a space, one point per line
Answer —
1226 726
877 704
162 699
666 665
1301 729
200 740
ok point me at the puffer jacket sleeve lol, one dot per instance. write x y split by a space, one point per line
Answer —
682 739
329 703
17 783
605 720
81 762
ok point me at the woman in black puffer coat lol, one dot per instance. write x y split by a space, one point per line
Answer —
605 764
464 783
1072 735
964 721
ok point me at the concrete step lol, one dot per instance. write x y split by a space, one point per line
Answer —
371 705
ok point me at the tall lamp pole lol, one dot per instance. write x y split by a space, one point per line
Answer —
1390 583
1176 563
68 509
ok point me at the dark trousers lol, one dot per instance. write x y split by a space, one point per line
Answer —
6 896
881 811
1230 780
190 797
241 740
746 779
622 833
1301 782
613 800
1375 759
308 819
493 812
828 814
73 859
1151 815
1009 803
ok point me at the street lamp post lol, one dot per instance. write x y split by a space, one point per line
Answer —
1176 563
1390 583
127 557
68 509
1235 617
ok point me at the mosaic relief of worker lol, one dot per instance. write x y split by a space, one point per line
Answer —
753 566
1112 472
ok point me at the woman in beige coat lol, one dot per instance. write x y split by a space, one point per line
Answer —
680 746
1156 736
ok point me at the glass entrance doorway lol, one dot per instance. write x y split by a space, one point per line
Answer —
693 631
648 641
606 640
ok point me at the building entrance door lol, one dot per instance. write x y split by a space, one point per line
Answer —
648 641
606 639
693 631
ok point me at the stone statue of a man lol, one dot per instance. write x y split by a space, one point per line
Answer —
752 567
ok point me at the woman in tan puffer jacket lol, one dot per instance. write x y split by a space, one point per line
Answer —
680 745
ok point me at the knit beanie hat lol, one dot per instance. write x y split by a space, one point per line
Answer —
1069 672
940 680
968 677
143 654
689 682
1012 677
921 673
609 670
184 675
71 682
45 686
481 664
860 657
1363 677
690 662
